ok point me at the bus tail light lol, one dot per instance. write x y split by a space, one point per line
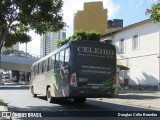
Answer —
73 80
114 83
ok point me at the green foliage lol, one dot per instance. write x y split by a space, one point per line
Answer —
81 35
154 11
13 38
17 17
1 102
62 42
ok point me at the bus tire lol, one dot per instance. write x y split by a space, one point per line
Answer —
49 96
114 95
79 100
32 91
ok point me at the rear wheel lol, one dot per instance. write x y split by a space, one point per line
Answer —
32 91
114 94
79 100
49 96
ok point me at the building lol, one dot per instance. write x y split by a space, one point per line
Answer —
138 48
48 41
14 47
91 19
114 24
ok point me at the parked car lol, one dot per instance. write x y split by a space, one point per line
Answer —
1 82
21 82
6 79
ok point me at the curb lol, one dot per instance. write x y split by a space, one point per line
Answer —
3 108
137 91
130 103
15 87
128 98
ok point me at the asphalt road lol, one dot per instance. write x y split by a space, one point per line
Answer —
22 100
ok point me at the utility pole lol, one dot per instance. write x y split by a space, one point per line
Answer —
26 47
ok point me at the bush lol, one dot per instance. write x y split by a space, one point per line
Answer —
1 102
81 35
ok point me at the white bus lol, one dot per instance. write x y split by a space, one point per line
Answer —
78 70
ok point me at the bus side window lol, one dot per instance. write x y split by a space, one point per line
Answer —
57 61
46 67
61 62
34 70
49 63
53 61
40 67
43 66
37 69
67 54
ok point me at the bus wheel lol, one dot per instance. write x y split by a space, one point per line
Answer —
113 95
79 100
32 91
49 97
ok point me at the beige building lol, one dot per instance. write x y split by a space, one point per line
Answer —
92 18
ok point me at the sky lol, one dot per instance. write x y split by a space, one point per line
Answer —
131 11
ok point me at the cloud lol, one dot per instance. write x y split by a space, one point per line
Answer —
113 8
135 3
33 47
72 6
139 3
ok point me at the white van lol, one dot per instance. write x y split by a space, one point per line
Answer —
5 79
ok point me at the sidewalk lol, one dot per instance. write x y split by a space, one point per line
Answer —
11 86
3 108
142 99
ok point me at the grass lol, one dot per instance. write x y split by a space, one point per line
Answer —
1 102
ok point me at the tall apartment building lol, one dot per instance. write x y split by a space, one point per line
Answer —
49 41
92 18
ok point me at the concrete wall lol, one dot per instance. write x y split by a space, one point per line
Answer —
143 62
16 63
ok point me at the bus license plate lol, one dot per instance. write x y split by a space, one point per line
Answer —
95 87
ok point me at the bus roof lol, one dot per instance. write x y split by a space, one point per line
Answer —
65 46
52 53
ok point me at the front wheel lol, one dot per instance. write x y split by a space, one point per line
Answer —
79 100
49 96
32 91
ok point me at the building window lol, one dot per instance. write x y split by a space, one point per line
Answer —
121 44
135 42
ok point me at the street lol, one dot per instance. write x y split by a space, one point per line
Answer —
20 99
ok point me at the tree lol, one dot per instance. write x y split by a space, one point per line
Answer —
17 17
154 11
81 35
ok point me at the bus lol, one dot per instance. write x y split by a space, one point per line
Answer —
77 70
